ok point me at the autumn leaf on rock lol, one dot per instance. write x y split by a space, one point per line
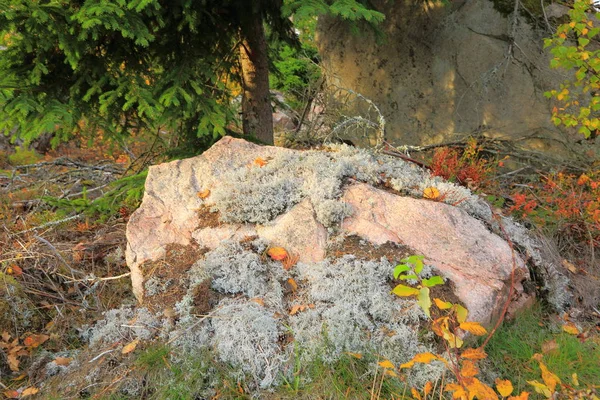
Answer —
203 194
130 346
431 193
34 341
261 162
277 253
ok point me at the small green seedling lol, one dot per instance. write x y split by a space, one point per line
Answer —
410 269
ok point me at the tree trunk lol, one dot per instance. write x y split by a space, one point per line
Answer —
257 114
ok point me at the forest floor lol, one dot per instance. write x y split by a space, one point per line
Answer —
62 267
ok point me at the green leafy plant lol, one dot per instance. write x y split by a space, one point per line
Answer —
574 47
410 269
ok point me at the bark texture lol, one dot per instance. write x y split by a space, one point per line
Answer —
256 103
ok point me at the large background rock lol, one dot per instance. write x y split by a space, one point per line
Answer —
448 71
180 198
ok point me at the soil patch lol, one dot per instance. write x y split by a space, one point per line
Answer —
365 250
165 278
208 218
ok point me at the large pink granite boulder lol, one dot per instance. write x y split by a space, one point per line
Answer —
459 246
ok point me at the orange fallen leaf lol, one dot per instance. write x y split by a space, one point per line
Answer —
550 379
473 327
14 270
427 388
30 391
571 328
474 354
11 394
261 162
522 396
387 364
34 341
416 395
203 193
5 336
469 369
277 253
64 361
130 346
431 193
297 308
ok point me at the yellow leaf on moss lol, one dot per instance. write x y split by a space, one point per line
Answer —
431 193
473 327
277 253
425 358
387 364
504 387
458 391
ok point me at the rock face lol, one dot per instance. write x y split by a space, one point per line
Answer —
319 197
447 71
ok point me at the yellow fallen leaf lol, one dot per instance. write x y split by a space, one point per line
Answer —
431 193
442 305
390 372
571 328
387 364
504 387
129 347
425 358
540 388
481 390
575 379
64 361
204 193
473 327
277 253
549 378
30 391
